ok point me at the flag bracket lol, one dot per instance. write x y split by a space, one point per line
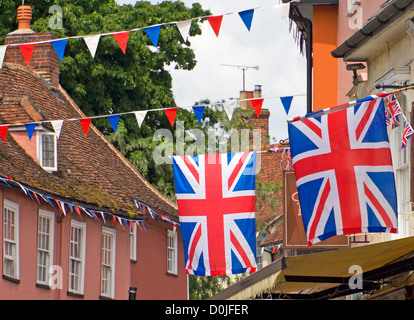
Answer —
404 86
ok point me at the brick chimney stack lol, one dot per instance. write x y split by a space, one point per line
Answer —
44 59
261 122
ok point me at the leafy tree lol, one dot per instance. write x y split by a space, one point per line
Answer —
114 82
202 288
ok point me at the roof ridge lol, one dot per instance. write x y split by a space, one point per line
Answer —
14 66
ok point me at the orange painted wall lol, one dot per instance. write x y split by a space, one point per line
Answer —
325 67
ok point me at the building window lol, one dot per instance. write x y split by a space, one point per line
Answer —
11 239
401 161
259 257
133 244
45 236
47 152
108 263
172 252
77 257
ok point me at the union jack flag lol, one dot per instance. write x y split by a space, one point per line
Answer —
408 131
344 174
216 206
393 111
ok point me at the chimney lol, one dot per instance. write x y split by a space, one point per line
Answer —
44 60
261 122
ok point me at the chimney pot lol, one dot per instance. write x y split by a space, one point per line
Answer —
24 16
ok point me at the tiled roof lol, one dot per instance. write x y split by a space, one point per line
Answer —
90 170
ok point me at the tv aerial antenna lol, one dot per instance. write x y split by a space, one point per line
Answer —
243 68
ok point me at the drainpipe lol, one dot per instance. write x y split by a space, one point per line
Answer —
309 55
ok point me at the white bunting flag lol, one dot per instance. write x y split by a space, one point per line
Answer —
229 107
140 115
283 10
2 54
184 28
57 126
92 43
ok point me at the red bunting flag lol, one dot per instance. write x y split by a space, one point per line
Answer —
170 113
85 122
27 50
215 22
257 105
3 132
122 39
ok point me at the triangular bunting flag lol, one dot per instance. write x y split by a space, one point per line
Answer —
199 110
153 33
3 132
85 122
122 39
27 50
247 17
57 126
184 28
257 105
92 43
215 22
30 129
229 107
286 101
59 46
283 10
140 115
170 113
2 54
114 119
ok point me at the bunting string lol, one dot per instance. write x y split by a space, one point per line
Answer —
152 32
66 207
171 113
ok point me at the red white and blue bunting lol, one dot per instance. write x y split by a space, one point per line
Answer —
152 32
67 207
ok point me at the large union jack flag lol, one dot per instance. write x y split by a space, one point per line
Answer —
344 174
216 206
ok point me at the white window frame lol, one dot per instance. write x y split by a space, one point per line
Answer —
401 161
13 243
172 252
45 240
78 288
108 263
133 245
40 135
259 257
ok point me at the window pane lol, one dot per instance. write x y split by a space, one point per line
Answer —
48 150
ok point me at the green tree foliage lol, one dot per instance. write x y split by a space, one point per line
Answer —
114 82
202 288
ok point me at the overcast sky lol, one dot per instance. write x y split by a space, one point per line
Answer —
269 45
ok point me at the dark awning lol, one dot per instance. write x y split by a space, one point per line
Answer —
326 275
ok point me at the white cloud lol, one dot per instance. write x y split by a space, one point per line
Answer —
269 45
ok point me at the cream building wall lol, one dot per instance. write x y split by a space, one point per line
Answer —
393 64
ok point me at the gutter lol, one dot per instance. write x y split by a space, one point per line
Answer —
375 24
307 23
